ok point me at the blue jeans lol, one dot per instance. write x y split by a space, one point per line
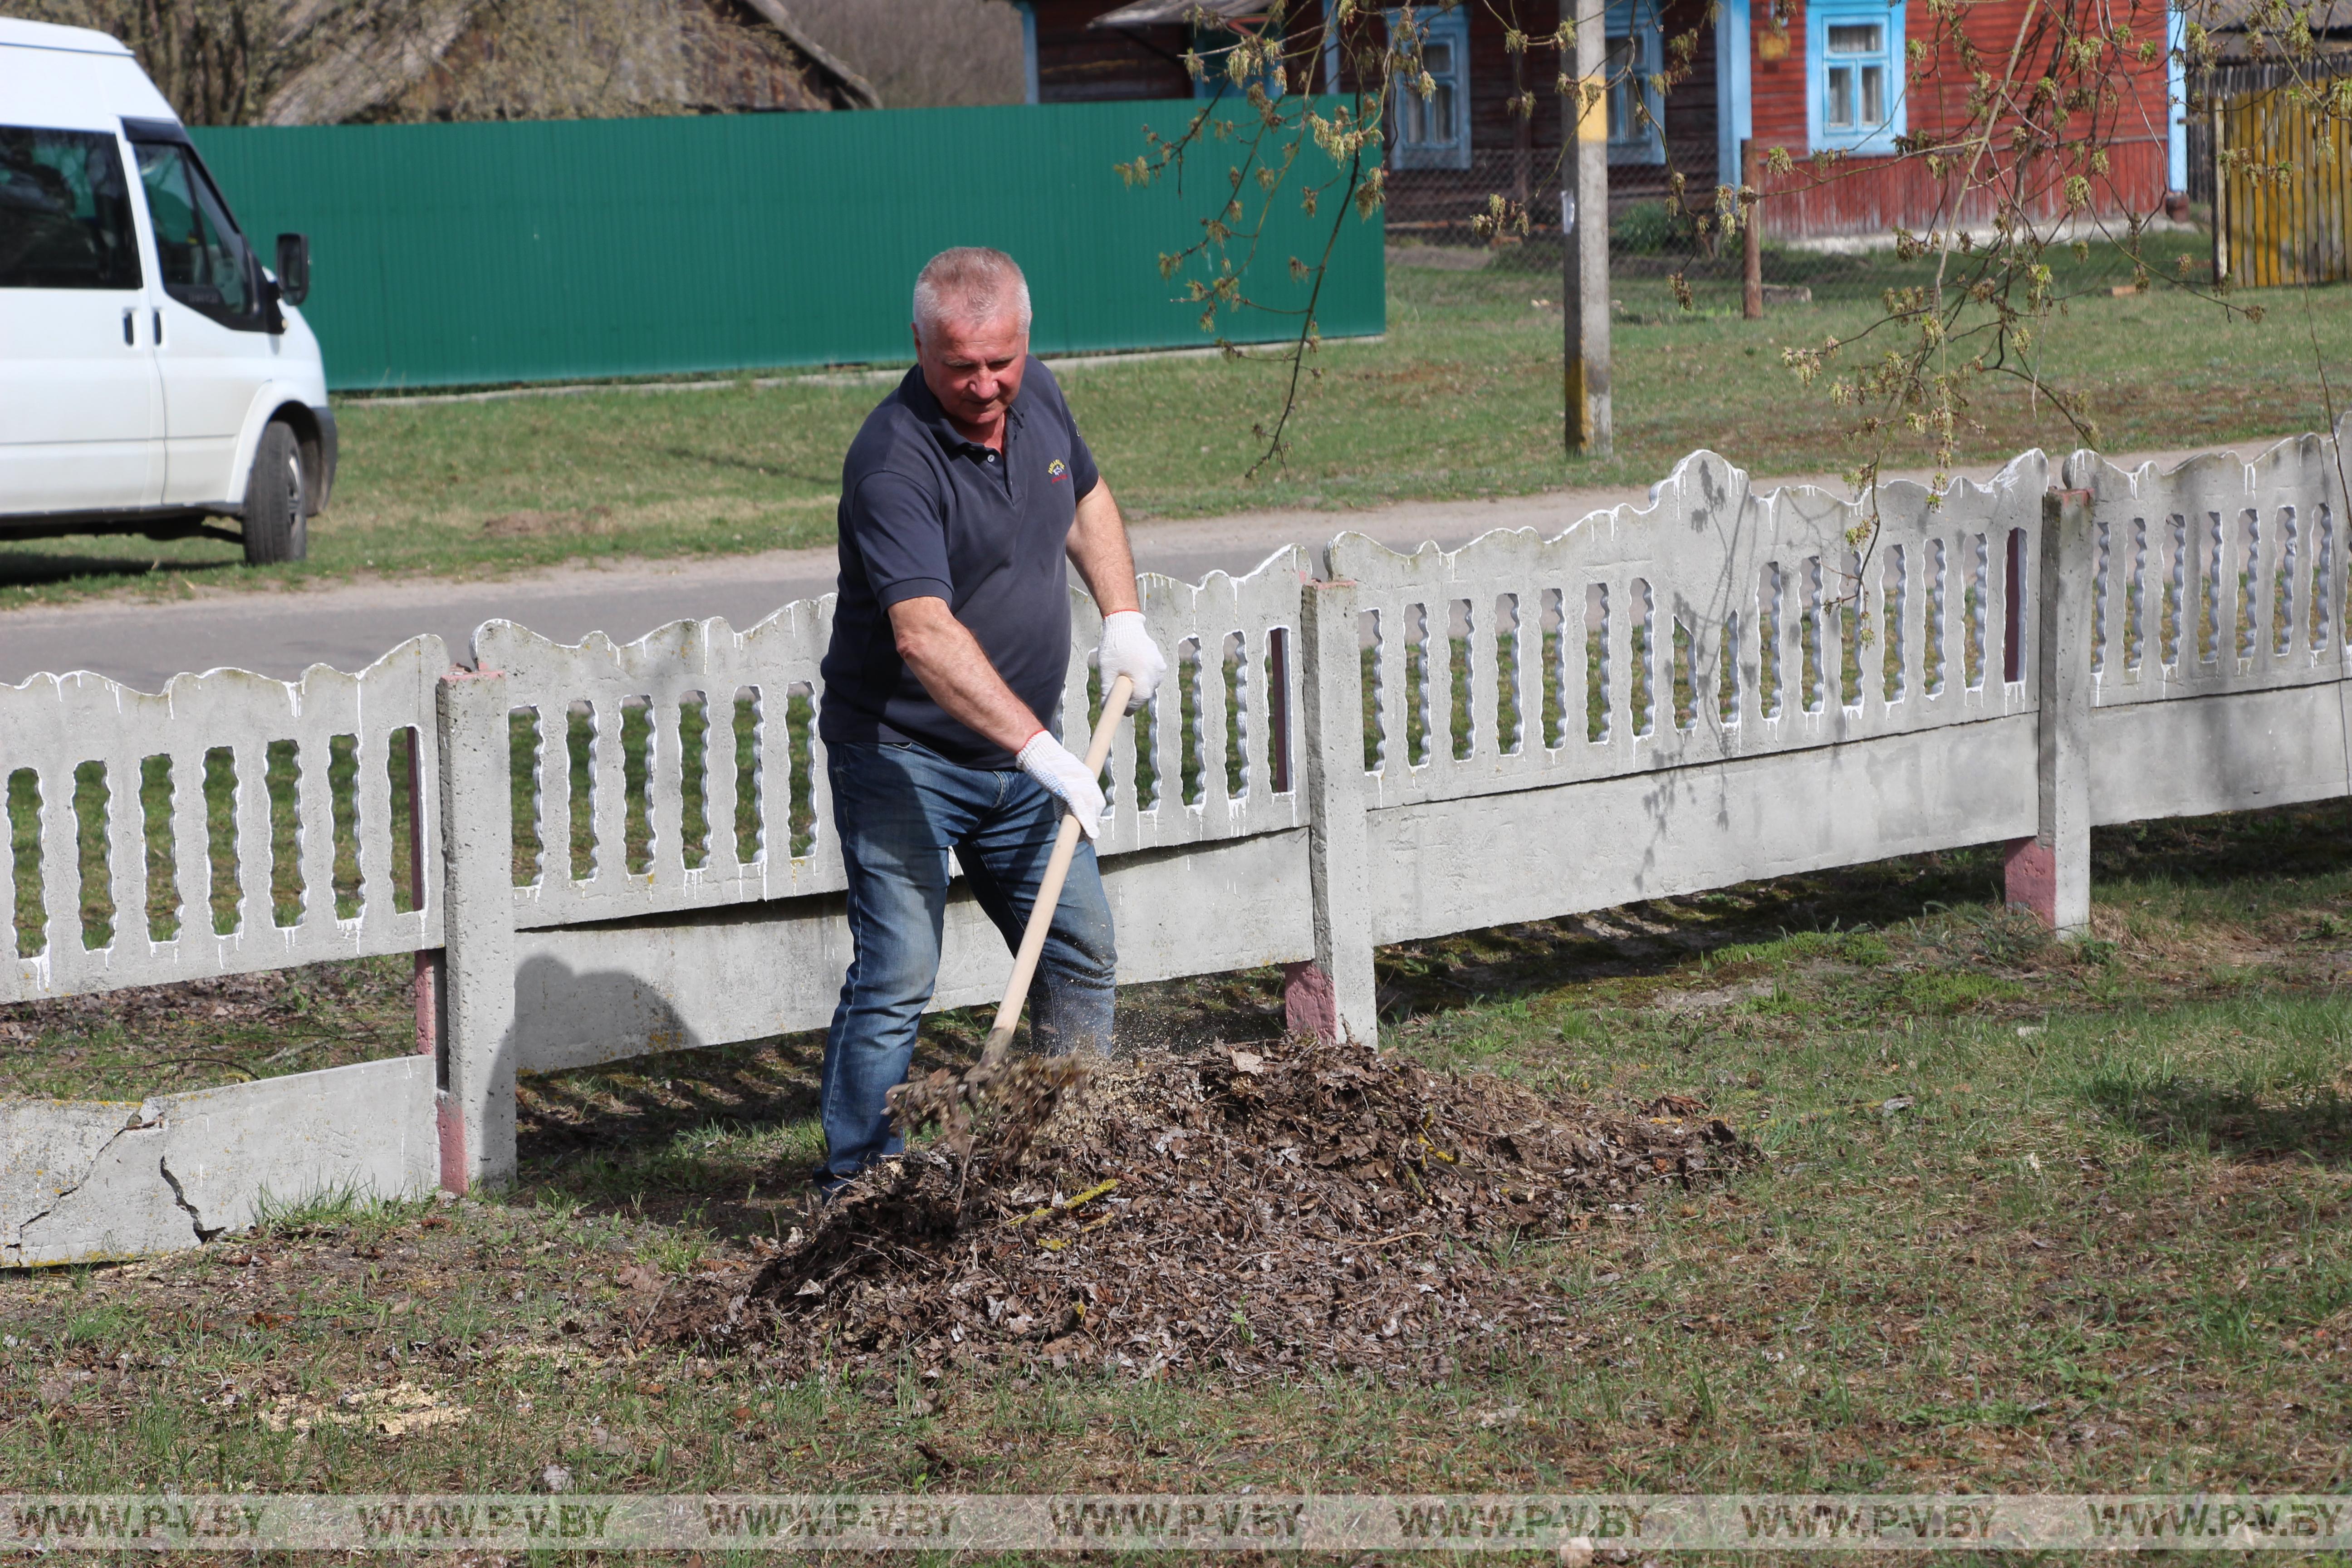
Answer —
899 810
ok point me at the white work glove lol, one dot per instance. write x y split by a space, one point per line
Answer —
1128 650
1050 763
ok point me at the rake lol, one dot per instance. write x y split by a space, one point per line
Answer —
1029 1089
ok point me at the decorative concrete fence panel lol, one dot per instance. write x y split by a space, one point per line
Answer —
2218 646
614 849
86 1180
183 889
1710 624
1715 686
1224 728
582 696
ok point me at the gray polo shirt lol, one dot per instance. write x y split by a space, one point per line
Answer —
925 513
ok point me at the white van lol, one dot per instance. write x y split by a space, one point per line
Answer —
154 377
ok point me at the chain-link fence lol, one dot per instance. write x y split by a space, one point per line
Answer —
1660 260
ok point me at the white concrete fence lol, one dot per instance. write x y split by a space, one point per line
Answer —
1782 687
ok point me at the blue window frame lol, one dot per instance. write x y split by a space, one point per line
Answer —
1853 77
1433 133
1634 58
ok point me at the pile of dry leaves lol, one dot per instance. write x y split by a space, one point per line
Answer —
1313 1205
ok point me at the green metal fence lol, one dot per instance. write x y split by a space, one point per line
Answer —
448 255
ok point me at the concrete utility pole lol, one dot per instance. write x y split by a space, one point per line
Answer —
1584 235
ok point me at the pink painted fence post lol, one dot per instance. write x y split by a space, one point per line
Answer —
1332 996
2050 873
477 987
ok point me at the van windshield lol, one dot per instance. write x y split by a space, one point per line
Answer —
203 260
65 211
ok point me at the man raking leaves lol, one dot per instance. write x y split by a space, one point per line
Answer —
963 499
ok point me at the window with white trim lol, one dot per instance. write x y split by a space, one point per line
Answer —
1432 129
1637 111
1854 97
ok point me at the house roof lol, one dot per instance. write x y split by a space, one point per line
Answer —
361 71
772 12
1168 12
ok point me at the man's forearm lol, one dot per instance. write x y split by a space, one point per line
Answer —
1099 549
953 667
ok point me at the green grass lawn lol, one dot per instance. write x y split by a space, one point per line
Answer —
1461 400
2035 1217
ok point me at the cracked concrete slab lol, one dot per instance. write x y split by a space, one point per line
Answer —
121 1207
84 1181
369 1127
50 1151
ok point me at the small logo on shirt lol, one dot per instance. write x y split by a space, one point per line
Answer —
1057 471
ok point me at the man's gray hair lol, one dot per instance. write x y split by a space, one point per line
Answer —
970 284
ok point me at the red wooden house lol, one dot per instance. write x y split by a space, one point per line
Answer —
1804 74
1830 74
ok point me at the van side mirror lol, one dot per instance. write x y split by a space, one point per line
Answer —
294 268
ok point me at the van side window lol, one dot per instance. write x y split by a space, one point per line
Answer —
204 258
65 212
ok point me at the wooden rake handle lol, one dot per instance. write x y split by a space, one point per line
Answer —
1049 895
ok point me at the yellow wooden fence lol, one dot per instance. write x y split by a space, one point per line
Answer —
2283 190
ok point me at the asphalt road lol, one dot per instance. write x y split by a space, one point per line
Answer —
143 639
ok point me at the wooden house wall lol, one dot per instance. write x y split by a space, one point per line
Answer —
1867 195
1493 126
1078 64
1443 201
1860 195
1692 122
1864 194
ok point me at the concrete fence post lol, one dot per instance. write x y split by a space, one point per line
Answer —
476 989
1333 995
2050 873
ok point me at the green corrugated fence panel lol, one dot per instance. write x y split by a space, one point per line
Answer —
449 254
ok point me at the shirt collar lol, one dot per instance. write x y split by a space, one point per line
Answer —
918 397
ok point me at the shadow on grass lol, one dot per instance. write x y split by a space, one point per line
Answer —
27 568
2293 842
723 1137
2174 1112
694 1132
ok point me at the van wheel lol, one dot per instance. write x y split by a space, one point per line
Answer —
276 499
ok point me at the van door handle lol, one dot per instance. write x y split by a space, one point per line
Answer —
159 329
130 327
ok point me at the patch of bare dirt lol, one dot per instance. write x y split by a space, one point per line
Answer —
1254 1211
